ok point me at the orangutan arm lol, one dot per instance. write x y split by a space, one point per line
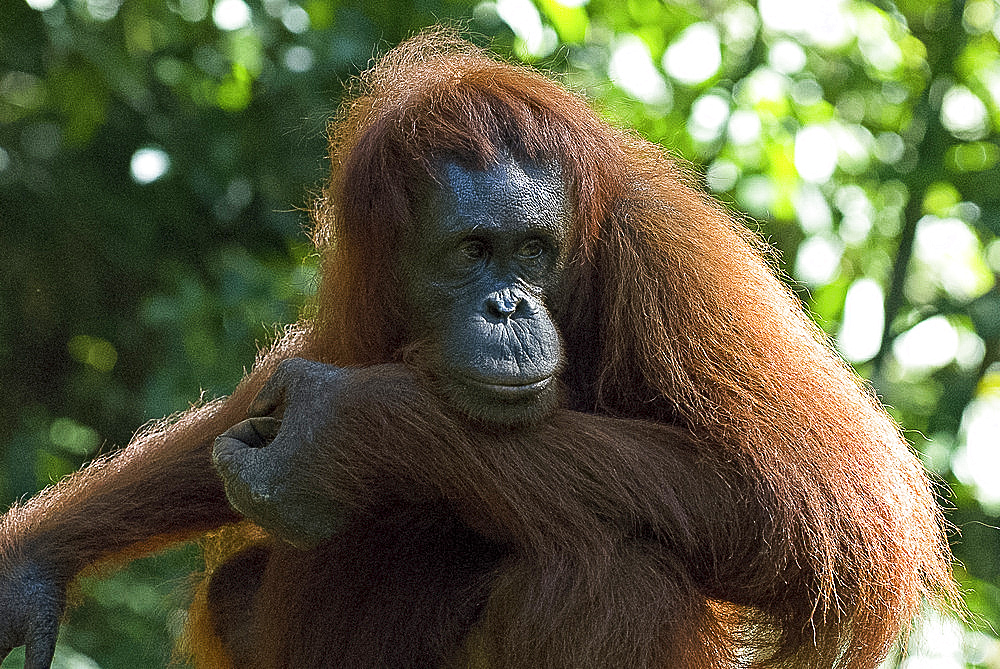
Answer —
159 490
351 439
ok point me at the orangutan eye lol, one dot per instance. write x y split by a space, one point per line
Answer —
472 250
531 249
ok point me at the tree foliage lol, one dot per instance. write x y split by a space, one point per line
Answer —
155 159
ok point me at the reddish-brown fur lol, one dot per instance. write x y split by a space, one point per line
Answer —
719 479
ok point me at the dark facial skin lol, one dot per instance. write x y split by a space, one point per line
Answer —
479 267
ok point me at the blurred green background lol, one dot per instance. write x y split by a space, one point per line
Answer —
156 157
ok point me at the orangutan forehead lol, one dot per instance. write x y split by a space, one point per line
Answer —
506 172
496 191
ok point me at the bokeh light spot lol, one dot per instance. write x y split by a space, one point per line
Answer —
632 69
149 164
231 14
695 56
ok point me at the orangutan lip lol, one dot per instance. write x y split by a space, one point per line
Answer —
510 389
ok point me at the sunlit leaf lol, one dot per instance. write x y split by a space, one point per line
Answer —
570 22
